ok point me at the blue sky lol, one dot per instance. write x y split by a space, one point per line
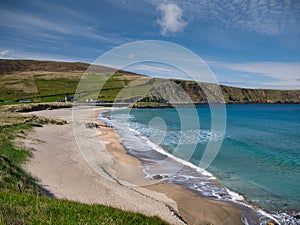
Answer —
246 43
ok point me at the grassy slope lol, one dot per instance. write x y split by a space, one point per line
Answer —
23 201
49 81
30 209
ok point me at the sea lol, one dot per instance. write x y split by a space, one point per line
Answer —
258 163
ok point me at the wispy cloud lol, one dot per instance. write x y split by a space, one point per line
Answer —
37 26
171 20
262 16
274 75
17 54
278 70
269 17
27 22
271 74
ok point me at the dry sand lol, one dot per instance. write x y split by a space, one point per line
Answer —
73 163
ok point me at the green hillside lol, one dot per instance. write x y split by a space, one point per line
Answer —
42 81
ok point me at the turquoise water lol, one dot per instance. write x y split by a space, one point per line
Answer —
260 154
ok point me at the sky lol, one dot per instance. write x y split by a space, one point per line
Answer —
245 43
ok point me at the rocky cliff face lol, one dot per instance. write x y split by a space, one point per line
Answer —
240 95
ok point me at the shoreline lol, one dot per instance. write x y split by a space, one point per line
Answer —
117 173
252 213
193 208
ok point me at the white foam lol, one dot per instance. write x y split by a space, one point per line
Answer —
183 162
235 196
206 173
268 215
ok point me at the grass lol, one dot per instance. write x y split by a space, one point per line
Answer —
44 88
12 177
51 81
56 87
11 94
112 87
8 149
30 209
24 201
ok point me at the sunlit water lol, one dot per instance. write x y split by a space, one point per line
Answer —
259 157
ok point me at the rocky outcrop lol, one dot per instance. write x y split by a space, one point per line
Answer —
37 107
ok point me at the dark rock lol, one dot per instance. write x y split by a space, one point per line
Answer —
91 125
297 216
157 177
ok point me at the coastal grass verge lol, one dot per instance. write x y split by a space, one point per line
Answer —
18 208
24 201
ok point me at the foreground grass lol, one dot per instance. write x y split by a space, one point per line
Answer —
30 209
23 201
12 177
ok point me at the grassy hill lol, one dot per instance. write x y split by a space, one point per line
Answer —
24 201
42 81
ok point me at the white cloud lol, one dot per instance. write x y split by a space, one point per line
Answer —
171 20
6 53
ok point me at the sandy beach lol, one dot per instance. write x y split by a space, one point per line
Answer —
90 165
